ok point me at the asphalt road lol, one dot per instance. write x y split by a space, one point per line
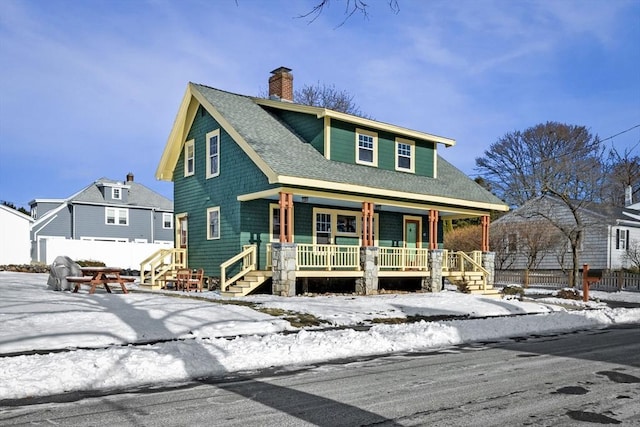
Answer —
579 378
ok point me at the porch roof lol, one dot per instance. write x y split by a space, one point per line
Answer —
286 159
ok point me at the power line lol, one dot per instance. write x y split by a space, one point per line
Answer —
620 133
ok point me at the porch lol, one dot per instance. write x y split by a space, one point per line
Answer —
366 265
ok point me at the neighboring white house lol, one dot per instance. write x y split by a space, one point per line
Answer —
525 238
15 243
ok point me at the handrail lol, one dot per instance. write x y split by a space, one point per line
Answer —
476 267
248 257
158 266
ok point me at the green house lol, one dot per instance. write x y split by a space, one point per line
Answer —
266 190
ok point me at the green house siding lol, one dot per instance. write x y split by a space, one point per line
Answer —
195 194
343 148
307 126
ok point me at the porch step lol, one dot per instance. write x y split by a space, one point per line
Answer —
246 285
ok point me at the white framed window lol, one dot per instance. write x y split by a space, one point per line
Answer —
167 220
213 223
116 193
366 147
213 153
189 158
622 239
405 155
116 216
332 223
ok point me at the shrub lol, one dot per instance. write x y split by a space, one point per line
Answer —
513 290
90 263
569 293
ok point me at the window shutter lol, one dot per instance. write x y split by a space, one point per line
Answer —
627 245
617 238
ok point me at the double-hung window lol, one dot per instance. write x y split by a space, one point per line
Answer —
366 147
405 157
167 220
213 221
116 193
115 216
213 153
189 158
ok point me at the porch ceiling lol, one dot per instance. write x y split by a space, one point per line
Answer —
355 202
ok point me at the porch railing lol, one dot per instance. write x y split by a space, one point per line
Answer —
247 258
328 257
403 259
154 268
455 261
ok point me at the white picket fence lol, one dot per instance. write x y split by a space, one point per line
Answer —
126 255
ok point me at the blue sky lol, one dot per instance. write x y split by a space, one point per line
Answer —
90 89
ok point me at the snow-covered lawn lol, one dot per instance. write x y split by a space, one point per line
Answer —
142 338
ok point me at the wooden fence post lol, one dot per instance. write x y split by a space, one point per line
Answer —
585 283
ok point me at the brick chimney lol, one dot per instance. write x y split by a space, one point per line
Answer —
130 177
281 84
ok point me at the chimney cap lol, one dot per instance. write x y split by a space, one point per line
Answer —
281 70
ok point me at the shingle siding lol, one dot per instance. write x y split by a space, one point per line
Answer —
308 127
195 194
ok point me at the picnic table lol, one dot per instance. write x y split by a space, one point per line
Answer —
95 276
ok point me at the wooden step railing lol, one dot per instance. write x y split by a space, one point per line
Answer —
154 268
247 257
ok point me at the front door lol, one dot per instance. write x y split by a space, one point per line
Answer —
411 239
411 233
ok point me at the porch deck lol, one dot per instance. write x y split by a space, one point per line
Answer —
343 261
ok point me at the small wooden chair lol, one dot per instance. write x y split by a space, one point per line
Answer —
183 276
194 281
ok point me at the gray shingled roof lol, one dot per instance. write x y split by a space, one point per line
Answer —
287 154
139 195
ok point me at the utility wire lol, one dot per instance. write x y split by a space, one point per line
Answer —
620 133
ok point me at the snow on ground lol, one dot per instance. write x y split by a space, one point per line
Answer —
57 342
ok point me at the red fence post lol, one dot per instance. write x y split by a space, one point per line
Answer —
585 283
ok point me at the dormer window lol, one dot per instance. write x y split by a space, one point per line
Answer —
405 161
116 193
366 147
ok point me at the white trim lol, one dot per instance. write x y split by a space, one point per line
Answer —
374 148
216 134
333 213
413 218
170 216
412 155
209 212
117 190
189 145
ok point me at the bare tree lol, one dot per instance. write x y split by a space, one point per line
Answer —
351 7
623 171
632 255
536 239
564 161
499 242
327 96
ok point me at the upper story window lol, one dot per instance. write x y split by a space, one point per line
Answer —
34 212
213 153
115 216
167 220
213 219
366 147
405 157
189 158
116 193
